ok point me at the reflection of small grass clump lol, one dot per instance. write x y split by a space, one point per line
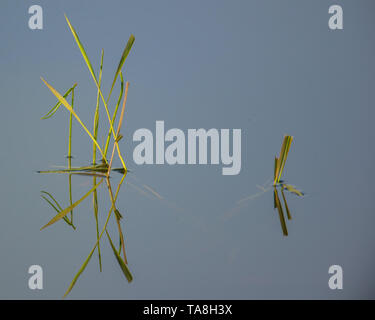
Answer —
100 170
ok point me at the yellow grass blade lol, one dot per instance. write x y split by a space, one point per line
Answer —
96 115
118 131
67 106
89 65
281 213
57 105
85 57
286 205
275 169
292 189
282 158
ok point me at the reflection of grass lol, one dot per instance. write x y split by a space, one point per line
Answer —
99 170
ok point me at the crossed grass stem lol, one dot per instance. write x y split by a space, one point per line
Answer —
101 170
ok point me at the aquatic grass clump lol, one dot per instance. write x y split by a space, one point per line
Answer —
277 182
101 171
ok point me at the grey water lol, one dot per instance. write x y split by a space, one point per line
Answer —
268 68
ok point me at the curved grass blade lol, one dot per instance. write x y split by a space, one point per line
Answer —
57 105
96 116
64 212
67 106
122 264
54 200
124 55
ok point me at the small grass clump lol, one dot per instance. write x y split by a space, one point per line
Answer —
277 182
101 169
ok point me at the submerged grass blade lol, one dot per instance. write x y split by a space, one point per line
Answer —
64 212
67 106
122 264
56 107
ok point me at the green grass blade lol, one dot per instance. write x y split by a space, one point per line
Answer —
54 200
122 264
124 55
114 114
292 189
67 106
275 169
64 212
51 204
279 160
115 144
70 195
281 213
70 130
96 116
89 65
81 48
286 205
284 156
57 105
95 204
